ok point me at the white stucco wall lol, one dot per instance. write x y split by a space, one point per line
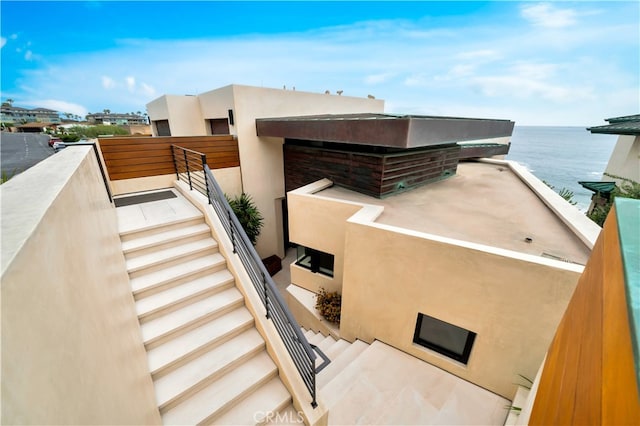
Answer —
625 159
72 351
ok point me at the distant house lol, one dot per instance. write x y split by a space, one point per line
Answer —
109 118
12 115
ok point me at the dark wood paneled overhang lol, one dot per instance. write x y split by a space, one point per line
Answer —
386 130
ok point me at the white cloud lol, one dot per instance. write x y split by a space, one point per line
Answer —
108 82
131 83
28 55
3 41
547 15
483 69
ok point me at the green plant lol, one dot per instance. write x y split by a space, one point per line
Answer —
565 193
627 188
4 176
95 131
70 138
248 214
329 305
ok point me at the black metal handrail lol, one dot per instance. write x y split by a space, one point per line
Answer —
303 354
95 151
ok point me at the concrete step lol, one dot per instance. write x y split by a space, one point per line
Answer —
336 349
308 333
340 363
176 297
315 340
176 352
162 329
165 239
159 227
288 416
262 404
223 393
164 258
185 381
160 280
326 343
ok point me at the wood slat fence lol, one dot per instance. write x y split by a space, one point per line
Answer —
134 157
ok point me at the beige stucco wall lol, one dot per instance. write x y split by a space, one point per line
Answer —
229 180
319 223
513 301
261 159
183 113
625 159
216 104
72 351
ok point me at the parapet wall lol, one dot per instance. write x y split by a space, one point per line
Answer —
72 352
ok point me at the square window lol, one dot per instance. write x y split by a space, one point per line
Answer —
444 338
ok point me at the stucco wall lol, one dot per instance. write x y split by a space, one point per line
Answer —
513 301
261 158
319 223
72 352
625 159
183 113
229 180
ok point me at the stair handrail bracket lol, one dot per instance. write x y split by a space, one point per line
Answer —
301 352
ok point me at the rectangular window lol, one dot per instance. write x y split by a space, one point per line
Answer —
444 338
218 126
315 260
162 127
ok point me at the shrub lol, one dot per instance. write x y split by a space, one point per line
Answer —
248 215
329 305
70 138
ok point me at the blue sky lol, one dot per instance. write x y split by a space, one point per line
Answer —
537 63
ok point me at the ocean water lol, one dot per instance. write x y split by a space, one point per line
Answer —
562 156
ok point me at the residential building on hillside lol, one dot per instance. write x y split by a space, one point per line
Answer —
13 115
117 119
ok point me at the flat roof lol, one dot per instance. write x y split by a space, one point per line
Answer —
387 130
483 203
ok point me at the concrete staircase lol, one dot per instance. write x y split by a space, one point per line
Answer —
340 352
207 360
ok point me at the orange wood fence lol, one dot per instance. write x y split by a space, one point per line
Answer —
589 376
134 157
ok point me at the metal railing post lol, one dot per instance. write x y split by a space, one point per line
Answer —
233 240
206 180
186 164
266 295
175 163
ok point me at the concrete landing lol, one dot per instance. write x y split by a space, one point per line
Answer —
155 213
384 386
